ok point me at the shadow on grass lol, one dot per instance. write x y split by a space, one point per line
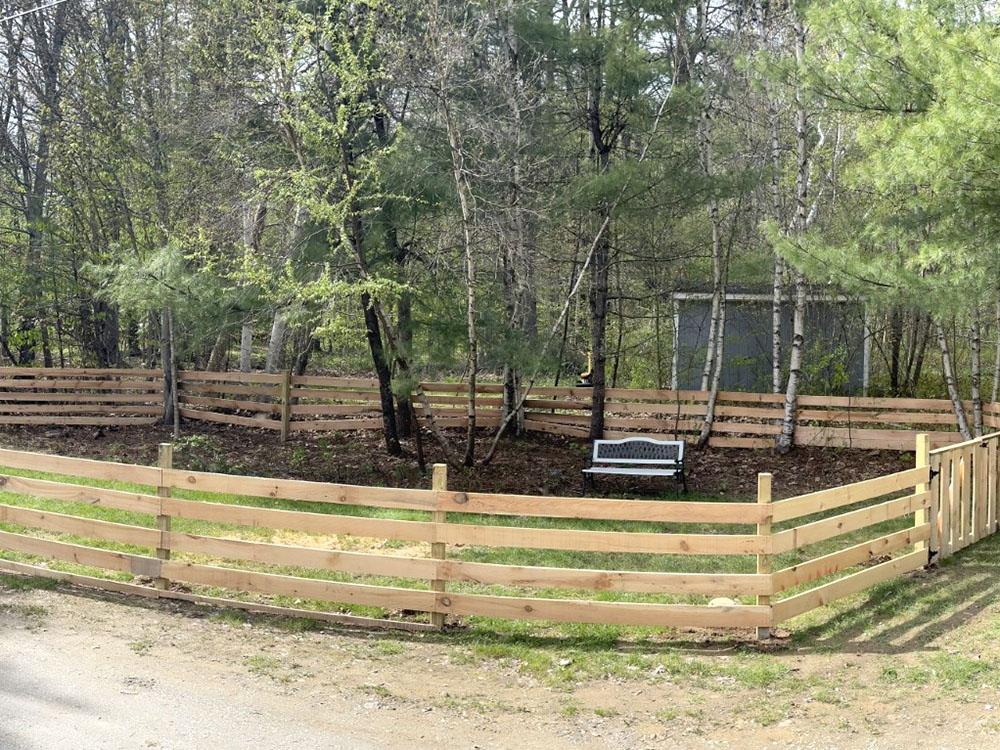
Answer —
908 613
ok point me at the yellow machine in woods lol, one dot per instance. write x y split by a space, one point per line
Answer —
586 377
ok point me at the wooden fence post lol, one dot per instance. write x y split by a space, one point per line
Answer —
285 398
163 519
923 459
439 482
764 535
993 453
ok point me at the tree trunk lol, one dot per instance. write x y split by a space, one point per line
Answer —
304 344
786 439
404 322
166 360
713 330
996 361
713 390
511 400
712 373
778 280
405 413
913 377
718 302
976 374
619 327
466 205
948 370
777 292
276 344
174 394
895 349
374 336
565 321
598 331
217 357
246 345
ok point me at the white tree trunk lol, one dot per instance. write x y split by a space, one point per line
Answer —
778 282
276 344
713 390
718 301
465 201
786 439
777 292
675 354
710 347
948 370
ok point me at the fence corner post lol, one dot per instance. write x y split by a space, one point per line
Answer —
923 459
439 483
285 400
166 461
764 536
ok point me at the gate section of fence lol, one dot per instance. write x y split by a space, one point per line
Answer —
965 494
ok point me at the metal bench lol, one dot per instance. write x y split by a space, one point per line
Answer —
637 456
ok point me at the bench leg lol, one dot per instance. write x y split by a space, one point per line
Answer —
684 481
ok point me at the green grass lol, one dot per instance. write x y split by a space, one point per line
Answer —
26 583
141 647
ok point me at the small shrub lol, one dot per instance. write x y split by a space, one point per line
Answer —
203 453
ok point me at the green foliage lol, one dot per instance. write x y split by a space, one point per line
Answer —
921 84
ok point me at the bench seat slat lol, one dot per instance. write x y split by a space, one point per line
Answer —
634 472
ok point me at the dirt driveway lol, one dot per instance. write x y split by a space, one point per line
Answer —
87 670
78 671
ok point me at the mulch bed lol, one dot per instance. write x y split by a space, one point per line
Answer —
532 464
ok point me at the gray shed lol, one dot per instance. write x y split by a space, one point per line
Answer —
837 345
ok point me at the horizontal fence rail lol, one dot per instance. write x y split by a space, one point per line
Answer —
810 550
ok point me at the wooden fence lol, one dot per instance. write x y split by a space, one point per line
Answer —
818 541
889 553
743 420
311 403
450 518
80 396
752 420
288 404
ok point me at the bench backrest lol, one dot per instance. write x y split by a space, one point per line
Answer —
639 450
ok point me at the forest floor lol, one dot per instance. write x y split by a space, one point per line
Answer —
535 464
